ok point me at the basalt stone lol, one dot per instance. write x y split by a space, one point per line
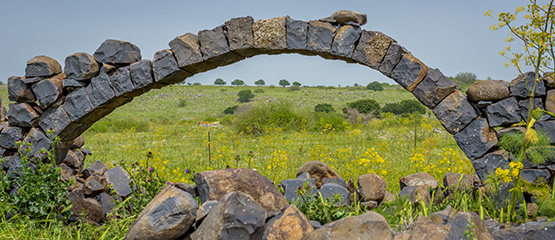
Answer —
186 49
482 105
165 68
9 136
518 86
535 176
444 216
372 48
48 90
372 187
239 34
38 140
22 115
434 88
66 173
107 202
337 180
121 81
16 167
237 216
409 72
7 161
540 230
547 127
461 224
270 34
344 17
74 159
417 179
81 66
100 90
292 185
416 194
55 118
168 216
357 227
297 34
303 176
329 190
42 66
92 187
525 104
73 130
455 112
488 90
550 101
393 56
425 229
291 224
212 185
77 104
488 163
456 182
213 42
96 168
87 209
317 170
320 36
72 84
204 210
345 39
141 73
476 139
19 91
503 113
191 189
119 180
117 53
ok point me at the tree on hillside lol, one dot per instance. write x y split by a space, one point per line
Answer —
375 85
245 96
260 82
284 83
298 84
237 82
219 82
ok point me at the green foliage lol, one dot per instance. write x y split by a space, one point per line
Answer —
298 84
260 82
117 125
376 86
536 153
258 90
284 83
230 110
182 102
238 82
405 106
294 88
364 106
464 79
197 84
219 82
328 122
259 118
245 96
324 107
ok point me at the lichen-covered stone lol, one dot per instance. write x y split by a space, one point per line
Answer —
81 66
455 112
372 48
9 136
362 226
519 89
186 49
270 34
346 17
394 54
345 39
550 101
117 52
503 113
166 69
417 194
47 91
42 66
487 164
92 187
476 139
320 36
535 176
434 88
425 229
291 224
417 179
22 115
372 187
297 34
239 33
213 42
55 118
317 170
488 90
461 224
19 91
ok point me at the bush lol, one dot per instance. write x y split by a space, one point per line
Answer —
259 90
294 88
328 122
230 110
364 106
405 106
182 103
376 86
324 107
245 96
257 119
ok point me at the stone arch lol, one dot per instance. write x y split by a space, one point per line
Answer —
92 86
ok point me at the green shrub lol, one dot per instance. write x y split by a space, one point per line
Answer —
210 119
258 118
294 88
405 106
245 96
324 107
364 106
230 110
376 86
258 90
182 103
328 122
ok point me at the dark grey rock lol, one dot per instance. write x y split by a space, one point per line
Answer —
74 159
121 81
7 161
213 42
165 68
72 84
119 180
488 163
19 91
338 181
141 73
191 189
205 209
186 49
297 34
107 202
455 112
525 104
329 190
100 90
548 128
92 187
529 231
482 105
55 118
409 72
22 115
77 142
416 194
394 54
77 104
86 151
292 185
38 140
461 224
488 90
9 136
345 39
503 113
81 66
117 52
42 66
518 86
535 176
239 33
47 91
237 216
320 36
315 224
108 69
32 80
303 176
87 209
434 88
476 139
97 168
16 167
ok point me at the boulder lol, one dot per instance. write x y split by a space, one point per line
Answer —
191 189
346 17
47 91
503 113
16 167
213 185
204 210
9 136
393 56
548 78
330 190
186 49
19 91
169 215
434 88
38 140
117 53
540 230
345 39
70 85
409 72
22 115
488 90
487 164
320 36
119 180
42 66
444 216
455 112
525 104
107 202
417 179
357 227
74 160
550 101
121 81
239 34
77 104
535 176
372 48
292 185
337 180
476 139
462 229
519 89
237 216
270 34
425 229
87 209
547 127
317 170
96 168
100 90
81 66
213 42
456 182
92 187
291 224
416 194
372 187
165 68
297 34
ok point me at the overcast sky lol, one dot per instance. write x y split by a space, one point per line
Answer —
453 36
